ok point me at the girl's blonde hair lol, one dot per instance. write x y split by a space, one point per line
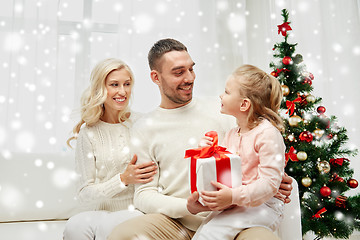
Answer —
264 92
93 98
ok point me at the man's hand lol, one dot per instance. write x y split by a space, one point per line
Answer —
286 187
194 206
141 173
217 200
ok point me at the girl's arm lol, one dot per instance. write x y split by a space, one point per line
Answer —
270 148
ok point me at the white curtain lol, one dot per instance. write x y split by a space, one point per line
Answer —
49 47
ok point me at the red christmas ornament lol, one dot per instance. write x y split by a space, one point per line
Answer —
336 178
340 201
306 136
283 28
352 183
307 80
275 74
321 109
311 76
325 191
286 60
330 136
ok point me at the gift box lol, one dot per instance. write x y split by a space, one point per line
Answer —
213 163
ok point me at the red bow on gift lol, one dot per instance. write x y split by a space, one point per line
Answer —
338 161
318 214
291 105
205 152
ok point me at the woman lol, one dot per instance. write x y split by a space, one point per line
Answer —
107 173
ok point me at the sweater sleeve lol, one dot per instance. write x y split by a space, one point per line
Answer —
89 189
270 148
149 197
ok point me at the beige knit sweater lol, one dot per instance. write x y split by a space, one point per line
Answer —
163 136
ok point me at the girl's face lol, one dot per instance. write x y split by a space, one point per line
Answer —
231 99
118 86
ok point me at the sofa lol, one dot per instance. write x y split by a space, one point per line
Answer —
37 196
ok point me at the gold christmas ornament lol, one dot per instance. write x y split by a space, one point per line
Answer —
285 90
306 181
302 156
318 133
291 137
310 98
294 120
323 166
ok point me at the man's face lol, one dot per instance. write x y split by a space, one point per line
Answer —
175 79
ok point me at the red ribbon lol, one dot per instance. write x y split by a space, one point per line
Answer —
291 155
278 71
291 105
211 151
341 201
318 214
283 28
338 161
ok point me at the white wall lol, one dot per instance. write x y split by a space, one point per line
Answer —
47 49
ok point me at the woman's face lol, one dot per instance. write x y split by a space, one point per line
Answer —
118 85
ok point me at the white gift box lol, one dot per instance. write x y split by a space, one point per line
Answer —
226 170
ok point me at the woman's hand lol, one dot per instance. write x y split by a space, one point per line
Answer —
141 173
217 200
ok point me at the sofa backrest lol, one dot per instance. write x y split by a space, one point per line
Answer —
37 187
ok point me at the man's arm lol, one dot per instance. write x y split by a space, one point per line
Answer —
149 197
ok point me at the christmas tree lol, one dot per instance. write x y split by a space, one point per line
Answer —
315 152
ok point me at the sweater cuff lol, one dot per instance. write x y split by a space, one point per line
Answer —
239 197
114 186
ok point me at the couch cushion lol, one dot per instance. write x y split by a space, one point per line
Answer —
37 186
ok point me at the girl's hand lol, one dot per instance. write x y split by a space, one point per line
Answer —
193 205
217 200
286 187
205 141
141 173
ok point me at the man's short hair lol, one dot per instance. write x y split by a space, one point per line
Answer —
160 48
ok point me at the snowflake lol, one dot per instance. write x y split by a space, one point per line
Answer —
143 23
236 23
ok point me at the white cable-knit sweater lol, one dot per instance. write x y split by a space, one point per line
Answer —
102 154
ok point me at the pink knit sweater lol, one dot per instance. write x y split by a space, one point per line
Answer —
262 152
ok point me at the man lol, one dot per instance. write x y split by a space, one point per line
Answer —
163 135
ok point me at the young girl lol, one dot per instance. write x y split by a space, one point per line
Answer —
253 97
107 173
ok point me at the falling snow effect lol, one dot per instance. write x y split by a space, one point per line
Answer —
46 64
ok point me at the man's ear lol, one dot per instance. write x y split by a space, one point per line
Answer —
245 105
155 77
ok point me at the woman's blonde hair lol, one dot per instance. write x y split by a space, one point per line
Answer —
93 98
264 92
